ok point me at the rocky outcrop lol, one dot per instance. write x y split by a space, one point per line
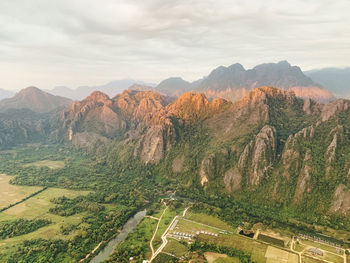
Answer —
213 165
232 180
139 106
332 108
87 140
155 143
102 116
341 200
192 107
291 154
178 164
303 184
335 138
95 114
258 156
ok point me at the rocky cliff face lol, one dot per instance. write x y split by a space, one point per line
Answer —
269 141
99 116
262 151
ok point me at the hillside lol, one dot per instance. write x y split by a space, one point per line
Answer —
18 126
34 99
269 147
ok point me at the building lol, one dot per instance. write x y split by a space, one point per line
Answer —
316 251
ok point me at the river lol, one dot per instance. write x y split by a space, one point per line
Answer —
127 229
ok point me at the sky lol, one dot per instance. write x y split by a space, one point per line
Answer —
89 42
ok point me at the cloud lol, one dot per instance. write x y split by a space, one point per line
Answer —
86 42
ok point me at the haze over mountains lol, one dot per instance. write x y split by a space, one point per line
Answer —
111 89
279 141
232 83
5 94
334 79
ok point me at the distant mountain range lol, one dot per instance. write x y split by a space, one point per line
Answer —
235 81
334 79
232 83
34 99
111 89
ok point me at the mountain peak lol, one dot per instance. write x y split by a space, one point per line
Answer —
98 96
31 89
173 86
34 99
237 66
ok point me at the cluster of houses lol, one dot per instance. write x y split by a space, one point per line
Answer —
316 251
314 238
189 236
182 235
206 233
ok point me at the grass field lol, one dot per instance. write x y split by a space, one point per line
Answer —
38 207
276 255
190 227
212 257
310 260
271 240
227 260
209 220
176 248
47 163
333 258
10 194
257 249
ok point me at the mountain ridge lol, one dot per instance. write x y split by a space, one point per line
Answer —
34 99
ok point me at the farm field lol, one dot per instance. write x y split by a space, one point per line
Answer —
176 248
46 163
37 207
261 253
310 260
212 257
190 227
275 255
208 220
10 194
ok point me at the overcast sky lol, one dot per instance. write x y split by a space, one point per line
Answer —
48 43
